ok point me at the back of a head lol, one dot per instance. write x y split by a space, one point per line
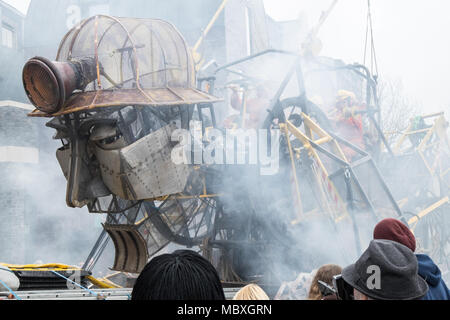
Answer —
387 270
181 275
325 273
394 230
251 292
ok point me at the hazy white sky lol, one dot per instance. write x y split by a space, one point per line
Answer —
21 5
411 38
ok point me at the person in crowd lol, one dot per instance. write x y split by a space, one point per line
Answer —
395 230
181 275
325 273
387 270
251 292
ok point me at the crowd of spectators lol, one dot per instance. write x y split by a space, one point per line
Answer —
387 270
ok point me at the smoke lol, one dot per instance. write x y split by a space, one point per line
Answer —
55 233
261 208
303 243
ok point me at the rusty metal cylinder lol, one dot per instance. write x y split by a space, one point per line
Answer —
49 84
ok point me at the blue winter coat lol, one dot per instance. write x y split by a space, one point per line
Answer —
429 271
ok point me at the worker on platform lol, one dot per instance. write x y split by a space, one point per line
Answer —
348 122
252 109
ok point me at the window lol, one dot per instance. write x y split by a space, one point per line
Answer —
7 36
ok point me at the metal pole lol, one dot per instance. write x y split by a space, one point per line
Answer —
211 23
94 250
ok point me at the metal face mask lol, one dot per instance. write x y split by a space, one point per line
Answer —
115 153
143 169
113 91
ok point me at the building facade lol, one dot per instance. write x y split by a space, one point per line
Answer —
11 53
18 155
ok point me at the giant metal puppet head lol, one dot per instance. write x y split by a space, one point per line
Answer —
118 88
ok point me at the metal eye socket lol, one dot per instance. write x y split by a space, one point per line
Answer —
107 136
110 140
103 133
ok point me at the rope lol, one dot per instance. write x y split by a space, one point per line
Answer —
90 291
10 290
373 57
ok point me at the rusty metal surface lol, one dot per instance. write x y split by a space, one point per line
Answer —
41 85
119 62
160 97
131 248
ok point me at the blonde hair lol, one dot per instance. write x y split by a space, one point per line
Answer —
325 274
251 292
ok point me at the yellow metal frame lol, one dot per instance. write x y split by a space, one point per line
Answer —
414 220
439 130
312 129
198 60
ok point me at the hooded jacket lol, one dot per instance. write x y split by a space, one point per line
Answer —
430 272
